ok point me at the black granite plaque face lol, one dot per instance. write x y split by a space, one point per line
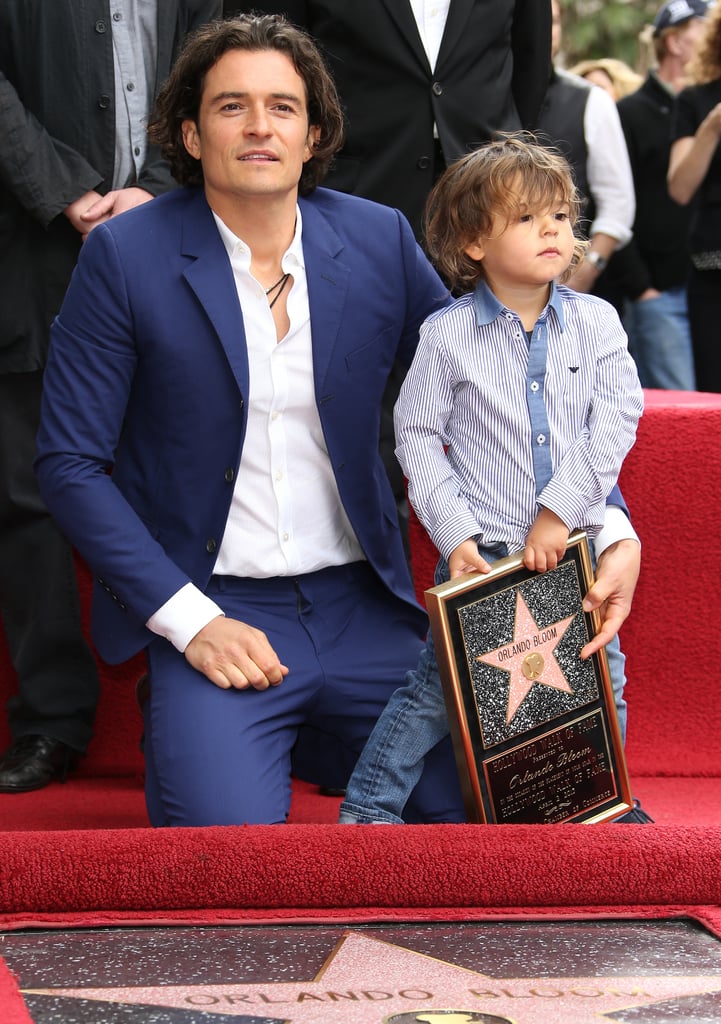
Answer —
566 972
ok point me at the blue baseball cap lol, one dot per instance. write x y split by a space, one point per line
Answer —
675 12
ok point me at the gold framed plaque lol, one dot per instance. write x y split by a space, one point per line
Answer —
534 726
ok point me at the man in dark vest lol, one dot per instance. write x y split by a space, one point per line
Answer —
582 121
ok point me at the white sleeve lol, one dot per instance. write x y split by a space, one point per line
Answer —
183 615
608 168
617 526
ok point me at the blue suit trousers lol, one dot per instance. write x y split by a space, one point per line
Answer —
222 757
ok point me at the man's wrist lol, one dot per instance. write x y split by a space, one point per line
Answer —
597 260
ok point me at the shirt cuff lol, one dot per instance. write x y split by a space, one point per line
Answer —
616 526
183 616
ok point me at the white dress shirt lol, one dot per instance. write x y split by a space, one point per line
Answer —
286 516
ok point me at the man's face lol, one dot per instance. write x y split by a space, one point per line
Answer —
252 135
687 39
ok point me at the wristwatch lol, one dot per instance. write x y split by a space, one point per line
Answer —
597 260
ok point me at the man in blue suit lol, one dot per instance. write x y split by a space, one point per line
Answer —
224 351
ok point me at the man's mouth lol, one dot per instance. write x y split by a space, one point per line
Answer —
258 156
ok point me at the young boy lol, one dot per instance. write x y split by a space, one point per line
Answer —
515 417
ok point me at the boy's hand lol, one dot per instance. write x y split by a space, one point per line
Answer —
546 542
465 558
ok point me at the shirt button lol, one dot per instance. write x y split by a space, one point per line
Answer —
130 86
541 439
534 386
285 536
279 475
117 16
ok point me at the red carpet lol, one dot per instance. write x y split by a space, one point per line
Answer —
296 872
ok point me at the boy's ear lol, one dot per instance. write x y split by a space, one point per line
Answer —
475 250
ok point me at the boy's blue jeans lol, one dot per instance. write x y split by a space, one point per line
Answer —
413 721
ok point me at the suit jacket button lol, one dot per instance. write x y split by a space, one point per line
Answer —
424 162
437 89
210 545
229 475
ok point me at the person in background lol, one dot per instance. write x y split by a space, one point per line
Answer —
421 84
650 273
613 75
582 121
694 180
500 226
225 350
76 84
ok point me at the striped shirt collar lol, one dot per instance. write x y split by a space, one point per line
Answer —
488 308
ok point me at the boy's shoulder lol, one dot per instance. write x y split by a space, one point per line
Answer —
582 301
457 307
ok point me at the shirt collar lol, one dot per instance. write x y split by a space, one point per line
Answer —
488 308
237 248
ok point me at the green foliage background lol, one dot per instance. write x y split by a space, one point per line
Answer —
606 28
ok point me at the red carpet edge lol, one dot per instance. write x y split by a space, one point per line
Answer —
324 871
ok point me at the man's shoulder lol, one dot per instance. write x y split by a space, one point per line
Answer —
159 218
342 206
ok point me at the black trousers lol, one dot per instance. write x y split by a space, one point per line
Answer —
704 313
57 674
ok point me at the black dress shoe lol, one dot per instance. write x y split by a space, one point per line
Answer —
331 791
32 762
635 817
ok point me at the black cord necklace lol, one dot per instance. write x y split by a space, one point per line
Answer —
279 285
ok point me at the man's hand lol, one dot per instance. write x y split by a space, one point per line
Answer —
113 203
546 541
612 593
465 558
234 654
76 210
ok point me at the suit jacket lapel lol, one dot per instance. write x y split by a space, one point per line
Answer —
458 14
328 278
211 278
401 13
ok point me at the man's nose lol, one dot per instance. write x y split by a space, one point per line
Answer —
258 122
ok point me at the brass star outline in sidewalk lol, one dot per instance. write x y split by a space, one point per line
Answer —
529 658
369 981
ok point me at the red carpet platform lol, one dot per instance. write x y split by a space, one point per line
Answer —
82 852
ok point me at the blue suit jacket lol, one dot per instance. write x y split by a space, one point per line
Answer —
148 374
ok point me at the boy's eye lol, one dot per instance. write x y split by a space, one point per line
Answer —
525 218
561 216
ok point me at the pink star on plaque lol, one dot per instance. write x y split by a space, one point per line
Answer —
529 657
